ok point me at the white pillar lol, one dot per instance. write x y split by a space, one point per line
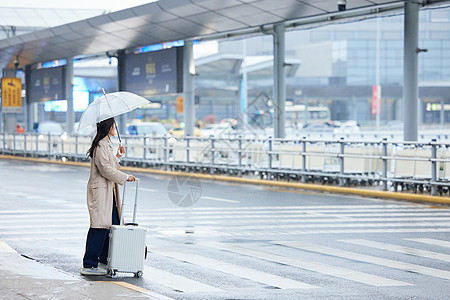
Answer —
188 88
377 75
410 71
279 86
244 87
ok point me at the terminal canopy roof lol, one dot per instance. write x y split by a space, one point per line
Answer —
171 20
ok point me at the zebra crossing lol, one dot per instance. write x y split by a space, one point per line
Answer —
223 250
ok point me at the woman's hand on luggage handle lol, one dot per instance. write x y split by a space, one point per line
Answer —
131 178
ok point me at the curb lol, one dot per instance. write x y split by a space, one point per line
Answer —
295 185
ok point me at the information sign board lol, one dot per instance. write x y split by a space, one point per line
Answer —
47 84
154 73
11 95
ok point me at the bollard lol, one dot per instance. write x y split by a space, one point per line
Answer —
25 145
144 155
270 153
76 145
37 144
165 149
212 152
384 164
433 167
341 162
304 159
187 149
49 143
240 156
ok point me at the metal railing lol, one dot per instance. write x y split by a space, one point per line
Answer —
415 166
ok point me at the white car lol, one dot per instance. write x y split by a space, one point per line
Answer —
147 128
348 127
217 130
47 127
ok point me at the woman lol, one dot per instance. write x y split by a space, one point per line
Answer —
102 197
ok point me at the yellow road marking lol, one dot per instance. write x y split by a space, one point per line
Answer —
139 289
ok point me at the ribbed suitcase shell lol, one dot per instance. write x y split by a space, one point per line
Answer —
127 249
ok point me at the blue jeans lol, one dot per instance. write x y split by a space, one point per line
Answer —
97 243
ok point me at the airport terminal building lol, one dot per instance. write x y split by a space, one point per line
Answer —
336 66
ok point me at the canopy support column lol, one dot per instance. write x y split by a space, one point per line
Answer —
279 86
188 88
410 71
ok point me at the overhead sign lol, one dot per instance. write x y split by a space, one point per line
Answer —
47 84
11 95
154 73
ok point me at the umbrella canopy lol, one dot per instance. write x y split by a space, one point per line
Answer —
109 105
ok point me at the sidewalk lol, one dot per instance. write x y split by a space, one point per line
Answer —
22 278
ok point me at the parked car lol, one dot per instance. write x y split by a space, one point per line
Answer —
147 128
51 127
217 130
179 132
318 127
348 127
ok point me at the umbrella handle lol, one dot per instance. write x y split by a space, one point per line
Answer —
120 152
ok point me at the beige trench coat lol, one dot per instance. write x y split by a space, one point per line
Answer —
103 181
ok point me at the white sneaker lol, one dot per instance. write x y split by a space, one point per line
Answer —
93 271
102 266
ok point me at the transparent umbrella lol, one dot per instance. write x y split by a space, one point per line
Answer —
109 105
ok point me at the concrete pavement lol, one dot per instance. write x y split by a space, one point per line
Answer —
23 278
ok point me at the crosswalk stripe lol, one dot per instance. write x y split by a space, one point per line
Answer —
231 217
368 259
431 242
14 228
312 207
151 220
66 237
243 272
399 249
219 199
177 282
40 212
326 212
352 275
147 190
70 234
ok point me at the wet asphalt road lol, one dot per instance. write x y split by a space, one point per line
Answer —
213 240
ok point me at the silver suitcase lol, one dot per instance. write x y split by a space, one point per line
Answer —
127 244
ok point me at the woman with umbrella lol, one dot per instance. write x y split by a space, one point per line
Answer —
102 197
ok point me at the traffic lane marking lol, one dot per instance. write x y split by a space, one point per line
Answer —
431 242
339 272
399 249
177 282
239 271
367 259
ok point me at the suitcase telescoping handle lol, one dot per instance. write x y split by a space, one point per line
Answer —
135 202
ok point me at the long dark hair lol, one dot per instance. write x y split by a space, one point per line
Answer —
103 129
